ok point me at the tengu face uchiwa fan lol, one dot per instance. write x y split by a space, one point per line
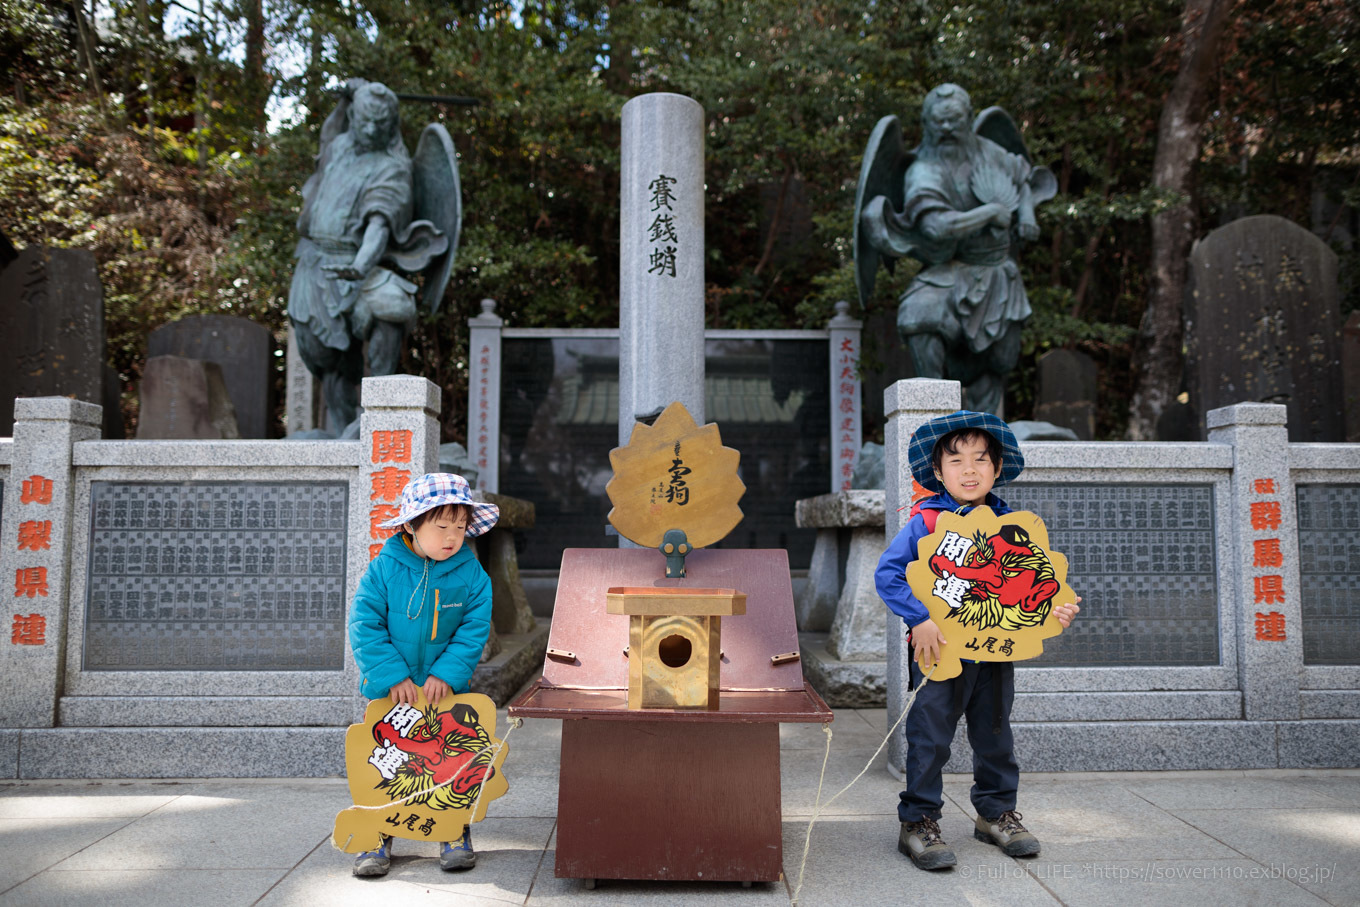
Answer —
990 583
424 767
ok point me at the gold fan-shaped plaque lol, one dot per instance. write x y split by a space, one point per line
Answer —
990 584
675 475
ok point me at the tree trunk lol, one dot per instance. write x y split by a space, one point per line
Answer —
256 82
1179 134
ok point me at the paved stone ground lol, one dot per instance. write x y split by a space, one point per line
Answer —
1201 838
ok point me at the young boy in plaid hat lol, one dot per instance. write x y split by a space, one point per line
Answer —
422 615
960 457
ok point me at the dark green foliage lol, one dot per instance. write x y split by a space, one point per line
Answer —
188 219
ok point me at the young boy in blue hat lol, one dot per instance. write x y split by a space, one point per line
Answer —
960 457
422 615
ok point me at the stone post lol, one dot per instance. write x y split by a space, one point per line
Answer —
484 395
1265 547
847 409
661 258
399 441
33 554
907 404
300 412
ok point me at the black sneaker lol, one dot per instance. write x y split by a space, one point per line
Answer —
922 842
1006 832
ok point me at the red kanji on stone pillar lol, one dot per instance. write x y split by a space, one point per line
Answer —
392 446
35 535
36 490
29 630
1270 626
1269 589
388 483
30 581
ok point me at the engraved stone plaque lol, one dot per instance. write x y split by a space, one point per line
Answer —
1329 568
1142 557
216 576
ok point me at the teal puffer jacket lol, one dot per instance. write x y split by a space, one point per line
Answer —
393 628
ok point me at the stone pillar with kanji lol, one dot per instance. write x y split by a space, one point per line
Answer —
907 405
484 395
399 438
847 410
1266 551
35 537
398 441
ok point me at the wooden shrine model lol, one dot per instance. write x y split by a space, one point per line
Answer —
684 661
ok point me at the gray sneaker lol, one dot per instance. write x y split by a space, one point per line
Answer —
374 862
922 842
1006 832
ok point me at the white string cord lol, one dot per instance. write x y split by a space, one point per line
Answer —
818 805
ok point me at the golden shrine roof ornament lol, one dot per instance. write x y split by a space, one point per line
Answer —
675 487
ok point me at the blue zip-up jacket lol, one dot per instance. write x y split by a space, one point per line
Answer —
890 578
392 625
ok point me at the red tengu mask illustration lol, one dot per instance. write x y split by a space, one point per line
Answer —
1003 581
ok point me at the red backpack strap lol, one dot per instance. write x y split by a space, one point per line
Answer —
931 517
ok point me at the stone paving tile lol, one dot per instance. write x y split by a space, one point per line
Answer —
31 845
509 852
532 793
1247 792
874 794
138 888
1315 848
1340 788
1204 883
1092 820
86 799
223 826
854 860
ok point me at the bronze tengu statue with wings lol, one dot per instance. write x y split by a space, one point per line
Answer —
960 203
373 218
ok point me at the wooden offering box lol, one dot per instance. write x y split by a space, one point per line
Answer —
671 793
674 643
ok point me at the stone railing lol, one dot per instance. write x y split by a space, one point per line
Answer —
161 585
1221 613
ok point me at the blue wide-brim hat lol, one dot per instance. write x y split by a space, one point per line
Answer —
923 442
434 490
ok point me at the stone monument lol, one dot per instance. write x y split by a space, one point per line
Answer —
185 399
1068 382
1263 326
51 330
243 350
371 213
959 203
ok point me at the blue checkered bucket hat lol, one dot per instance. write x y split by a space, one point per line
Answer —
436 489
924 440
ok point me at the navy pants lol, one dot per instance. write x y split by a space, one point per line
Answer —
984 692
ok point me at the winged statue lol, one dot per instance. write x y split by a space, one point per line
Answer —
960 203
374 220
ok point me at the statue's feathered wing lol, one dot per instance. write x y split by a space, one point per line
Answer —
437 198
881 173
997 125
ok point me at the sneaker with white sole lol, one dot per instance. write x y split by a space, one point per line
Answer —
1006 832
922 842
455 855
375 862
